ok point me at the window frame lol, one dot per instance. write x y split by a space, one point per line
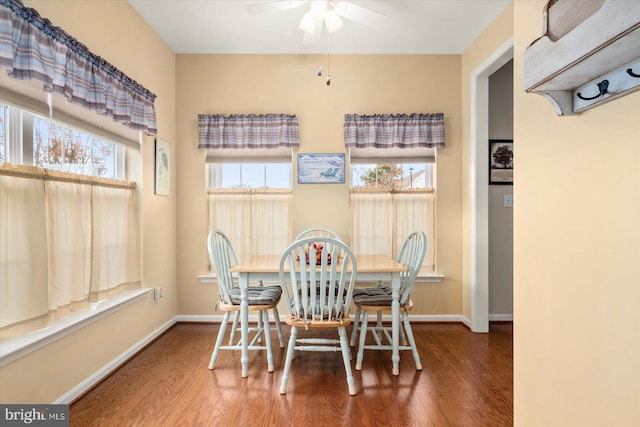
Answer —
429 183
19 140
215 175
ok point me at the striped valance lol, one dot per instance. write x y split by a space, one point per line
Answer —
388 131
249 131
31 48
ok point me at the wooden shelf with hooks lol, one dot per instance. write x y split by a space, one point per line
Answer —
589 54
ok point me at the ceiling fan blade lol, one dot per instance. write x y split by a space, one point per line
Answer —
359 14
271 6
311 38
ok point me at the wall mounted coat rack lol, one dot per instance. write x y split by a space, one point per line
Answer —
589 53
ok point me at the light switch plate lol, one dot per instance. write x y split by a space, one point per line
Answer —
508 200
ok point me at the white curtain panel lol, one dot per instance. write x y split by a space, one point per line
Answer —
115 240
381 221
255 223
271 230
231 214
372 223
62 245
69 245
23 254
416 212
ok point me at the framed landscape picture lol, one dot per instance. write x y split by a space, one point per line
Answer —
321 168
501 161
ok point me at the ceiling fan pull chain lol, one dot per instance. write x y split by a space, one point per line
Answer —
328 59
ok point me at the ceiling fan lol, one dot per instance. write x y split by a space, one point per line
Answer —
327 12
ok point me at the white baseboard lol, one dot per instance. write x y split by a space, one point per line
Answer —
99 375
466 321
501 318
201 318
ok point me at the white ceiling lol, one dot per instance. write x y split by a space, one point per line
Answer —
410 27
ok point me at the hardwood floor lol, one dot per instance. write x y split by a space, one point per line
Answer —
467 380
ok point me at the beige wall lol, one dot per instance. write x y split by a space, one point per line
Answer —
236 84
116 32
577 287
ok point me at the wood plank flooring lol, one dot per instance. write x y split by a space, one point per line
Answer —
467 380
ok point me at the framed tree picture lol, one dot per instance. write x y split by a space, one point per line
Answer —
501 161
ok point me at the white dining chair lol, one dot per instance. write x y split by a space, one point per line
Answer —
261 299
317 276
379 299
318 232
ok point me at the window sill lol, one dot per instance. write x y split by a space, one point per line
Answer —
17 347
208 278
429 278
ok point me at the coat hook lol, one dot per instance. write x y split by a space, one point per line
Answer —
632 74
603 86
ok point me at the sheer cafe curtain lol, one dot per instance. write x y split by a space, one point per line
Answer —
257 222
64 245
378 216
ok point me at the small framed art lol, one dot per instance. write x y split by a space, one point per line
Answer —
162 162
321 168
501 161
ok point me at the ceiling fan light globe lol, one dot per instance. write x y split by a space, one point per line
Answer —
333 21
318 10
308 23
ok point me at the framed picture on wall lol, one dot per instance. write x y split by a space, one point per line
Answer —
321 168
501 161
162 161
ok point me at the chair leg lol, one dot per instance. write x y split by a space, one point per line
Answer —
276 319
260 327
379 313
267 338
346 352
403 337
287 362
221 331
363 337
412 341
354 331
234 327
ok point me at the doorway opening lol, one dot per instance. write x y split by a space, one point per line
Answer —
479 184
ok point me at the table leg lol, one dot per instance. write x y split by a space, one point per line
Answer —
244 323
395 322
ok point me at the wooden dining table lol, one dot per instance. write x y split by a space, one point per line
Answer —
370 268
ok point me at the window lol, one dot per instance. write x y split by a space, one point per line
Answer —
250 197
79 230
392 175
252 204
59 147
53 145
389 201
250 175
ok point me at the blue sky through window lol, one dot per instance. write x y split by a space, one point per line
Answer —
255 175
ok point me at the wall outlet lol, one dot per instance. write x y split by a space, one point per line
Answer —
158 293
